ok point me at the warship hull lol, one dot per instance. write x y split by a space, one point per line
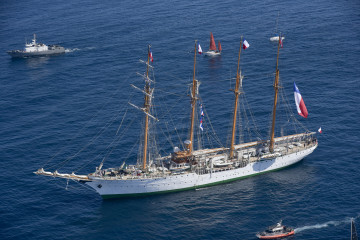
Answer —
53 50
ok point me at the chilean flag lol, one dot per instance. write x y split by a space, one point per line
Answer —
320 131
151 56
245 44
201 118
300 105
199 49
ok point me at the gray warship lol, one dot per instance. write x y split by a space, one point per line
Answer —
35 49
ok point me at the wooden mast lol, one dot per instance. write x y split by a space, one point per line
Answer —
193 104
276 88
237 93
146 108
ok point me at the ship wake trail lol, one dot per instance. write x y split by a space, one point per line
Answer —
322 225
69 50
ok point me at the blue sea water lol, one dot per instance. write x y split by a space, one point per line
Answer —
52 107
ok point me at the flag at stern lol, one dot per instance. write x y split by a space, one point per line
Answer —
300 105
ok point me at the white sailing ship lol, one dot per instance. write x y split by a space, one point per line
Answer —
190 168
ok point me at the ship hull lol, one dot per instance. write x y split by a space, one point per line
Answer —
23 54
212 53
139 187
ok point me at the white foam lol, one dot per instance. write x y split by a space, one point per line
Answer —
322 225
71 50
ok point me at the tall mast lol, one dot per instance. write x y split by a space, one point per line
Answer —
146 108
237 93
276 88
193 104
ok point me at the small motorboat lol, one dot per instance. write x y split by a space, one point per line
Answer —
276 39
180 167
276 231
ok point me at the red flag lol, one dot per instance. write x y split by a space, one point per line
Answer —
245 44
151 56
300 105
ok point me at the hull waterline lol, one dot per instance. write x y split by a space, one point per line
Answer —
22 54
117 188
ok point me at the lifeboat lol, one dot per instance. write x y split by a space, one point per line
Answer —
276 231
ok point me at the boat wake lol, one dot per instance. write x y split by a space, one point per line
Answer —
322 225
69 50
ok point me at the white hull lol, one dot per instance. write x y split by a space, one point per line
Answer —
131 187
276 38
212 53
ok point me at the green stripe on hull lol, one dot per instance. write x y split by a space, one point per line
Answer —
110 196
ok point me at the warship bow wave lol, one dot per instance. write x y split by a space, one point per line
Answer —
189 168
35 49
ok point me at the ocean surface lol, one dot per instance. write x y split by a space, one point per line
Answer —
63 112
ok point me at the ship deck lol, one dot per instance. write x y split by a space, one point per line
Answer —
281 150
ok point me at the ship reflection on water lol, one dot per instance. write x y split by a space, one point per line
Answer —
214 62
36 62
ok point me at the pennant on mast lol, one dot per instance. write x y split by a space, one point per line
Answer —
151 56
201 118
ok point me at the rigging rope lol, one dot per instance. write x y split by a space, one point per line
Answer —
84 126
216 138
109 151
99 133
